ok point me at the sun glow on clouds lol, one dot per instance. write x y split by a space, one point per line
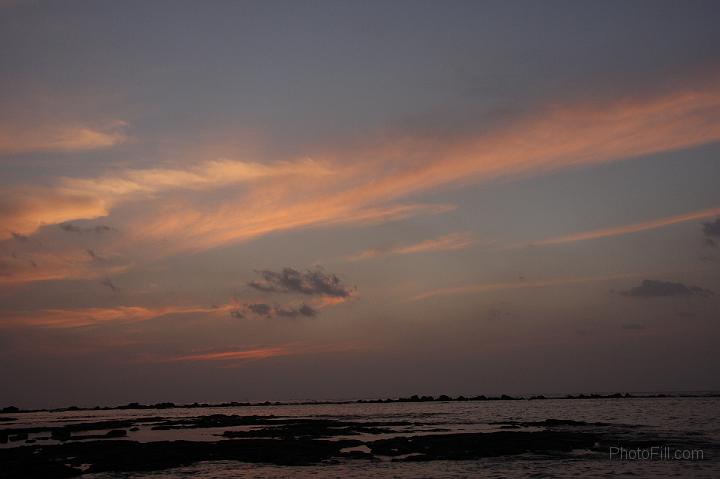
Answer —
258 353
488 287
82 317
450 242
219 202
631 228
60 138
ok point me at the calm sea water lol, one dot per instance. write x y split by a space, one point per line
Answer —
676 420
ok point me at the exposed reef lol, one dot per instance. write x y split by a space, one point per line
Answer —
303 441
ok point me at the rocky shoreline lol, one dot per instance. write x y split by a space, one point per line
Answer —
294 441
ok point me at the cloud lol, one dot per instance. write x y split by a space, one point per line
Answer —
184 209
65 265
453 241
661 289
273 311
71 228
24 210
631 228
488 287
82 317
261 309
256 353
711 230
19 237
108 283
60 138
309 282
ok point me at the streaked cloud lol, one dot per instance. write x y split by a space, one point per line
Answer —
630 228
60 138
453 241
361 185
48 266
258 353
82 317
521 284
24 210
663 289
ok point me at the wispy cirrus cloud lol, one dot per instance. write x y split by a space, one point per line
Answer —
18 268
82 317
256 353
60 138
650 288
450 242
521 284
183 209
627 229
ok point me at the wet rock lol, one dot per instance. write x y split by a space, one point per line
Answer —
18 437
127 456
479 445
114 434
213 420
311 428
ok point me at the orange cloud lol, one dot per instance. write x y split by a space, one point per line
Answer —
453 241
259 353
80 317
376 177
631 228
59 138
24 210
183 207
45 266
488 287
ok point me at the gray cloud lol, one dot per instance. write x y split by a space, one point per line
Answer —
273 311
108 282
261 309
712 228
659 289
19 237
302 310
93 255
71 228
310 282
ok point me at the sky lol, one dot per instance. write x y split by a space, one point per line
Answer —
249 201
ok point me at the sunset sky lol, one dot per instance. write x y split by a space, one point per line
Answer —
229 201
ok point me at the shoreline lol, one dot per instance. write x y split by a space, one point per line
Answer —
410 399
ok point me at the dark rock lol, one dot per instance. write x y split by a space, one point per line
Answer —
18 437
478 445
314 428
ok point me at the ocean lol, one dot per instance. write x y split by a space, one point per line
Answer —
651 437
